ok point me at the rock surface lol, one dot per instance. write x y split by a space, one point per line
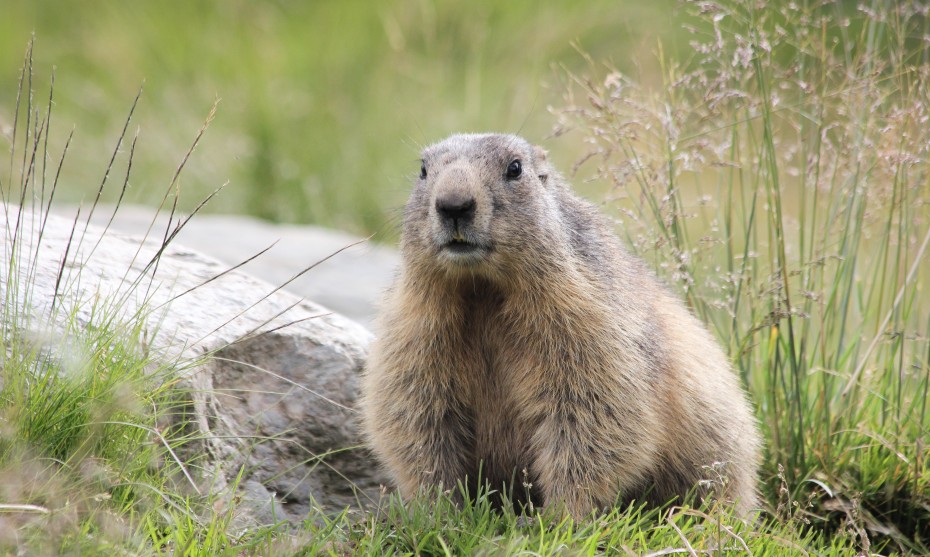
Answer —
350 282
278 393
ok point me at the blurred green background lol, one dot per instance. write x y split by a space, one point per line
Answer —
324 105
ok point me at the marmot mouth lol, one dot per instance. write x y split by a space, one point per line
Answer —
461 247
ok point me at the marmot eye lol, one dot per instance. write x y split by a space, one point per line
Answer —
514 170
422 170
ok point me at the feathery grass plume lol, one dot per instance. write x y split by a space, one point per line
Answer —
780 181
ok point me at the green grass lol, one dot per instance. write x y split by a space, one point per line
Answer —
779 180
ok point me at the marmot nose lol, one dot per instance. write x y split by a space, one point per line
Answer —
455 206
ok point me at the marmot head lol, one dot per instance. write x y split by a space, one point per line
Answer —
481 203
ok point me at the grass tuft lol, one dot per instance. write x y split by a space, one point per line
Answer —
779 181
91 417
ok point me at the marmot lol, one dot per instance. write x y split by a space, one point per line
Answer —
520 337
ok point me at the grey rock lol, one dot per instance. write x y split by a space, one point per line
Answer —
349 276
276 393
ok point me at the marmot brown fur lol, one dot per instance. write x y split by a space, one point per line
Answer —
520 335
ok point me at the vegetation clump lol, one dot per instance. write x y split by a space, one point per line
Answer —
780 181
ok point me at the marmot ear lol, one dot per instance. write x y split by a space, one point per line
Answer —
540 157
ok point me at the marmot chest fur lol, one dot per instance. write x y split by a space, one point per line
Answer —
523 343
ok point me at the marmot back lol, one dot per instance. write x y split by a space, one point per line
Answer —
520 335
